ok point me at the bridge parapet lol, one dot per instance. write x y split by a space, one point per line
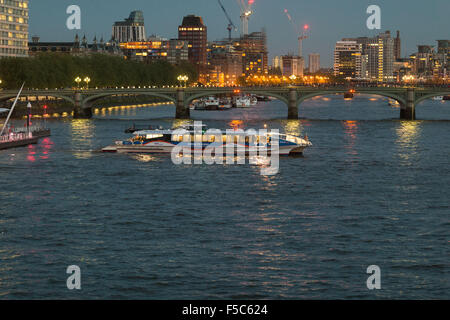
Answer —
293 96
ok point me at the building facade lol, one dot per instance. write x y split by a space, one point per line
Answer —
173 51
194 32
76 47
224 64
314 62
397 47
131 29
292 65
380 56
348 60
13 28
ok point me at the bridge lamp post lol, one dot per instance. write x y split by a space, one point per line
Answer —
78 80
293 78
87 80
182 78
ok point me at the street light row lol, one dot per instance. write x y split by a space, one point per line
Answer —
86 79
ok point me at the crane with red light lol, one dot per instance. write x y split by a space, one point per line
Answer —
302 32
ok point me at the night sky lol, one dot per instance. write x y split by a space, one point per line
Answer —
419 21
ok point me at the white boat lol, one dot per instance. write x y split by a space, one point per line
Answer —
438 98
211 103
225 103
163 141
242 102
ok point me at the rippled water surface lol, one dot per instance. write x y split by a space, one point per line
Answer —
372 190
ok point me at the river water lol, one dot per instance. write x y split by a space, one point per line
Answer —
372 190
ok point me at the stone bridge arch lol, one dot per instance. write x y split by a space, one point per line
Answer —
194 96
427 96
88 101
391 95
6 97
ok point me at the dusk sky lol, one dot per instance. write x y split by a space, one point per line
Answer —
420 22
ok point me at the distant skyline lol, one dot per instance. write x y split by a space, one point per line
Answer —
419 22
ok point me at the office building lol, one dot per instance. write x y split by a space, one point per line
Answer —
314 62
13 28
173 51
380 56
194 31
292 65
131 29
397 47
348 60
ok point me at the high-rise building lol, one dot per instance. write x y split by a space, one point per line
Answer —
292 65
380 56
314 62
13 28
397 47
348 59
131 29
276 62
254 53
194 31
224 63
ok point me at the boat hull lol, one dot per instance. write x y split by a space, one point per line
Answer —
18 143
227 149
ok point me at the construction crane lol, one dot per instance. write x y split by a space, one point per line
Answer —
230 22
246 12
301 32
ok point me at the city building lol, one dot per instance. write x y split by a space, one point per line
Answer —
173 51
292 65
348 60
13 28
380 56
429 63
314 62
131 29
76 47
276 63
194 31
253 48
397 47
224 64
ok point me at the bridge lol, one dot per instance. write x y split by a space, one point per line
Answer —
83 100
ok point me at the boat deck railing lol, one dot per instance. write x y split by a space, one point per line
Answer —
15 137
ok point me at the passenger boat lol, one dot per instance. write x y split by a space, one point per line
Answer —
242 102
438 98
225 104
211 103
163 141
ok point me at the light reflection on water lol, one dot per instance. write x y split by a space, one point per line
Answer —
308 232
408 139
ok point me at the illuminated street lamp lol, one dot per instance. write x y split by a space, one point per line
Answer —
87 80
293 77
182 78
78 80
